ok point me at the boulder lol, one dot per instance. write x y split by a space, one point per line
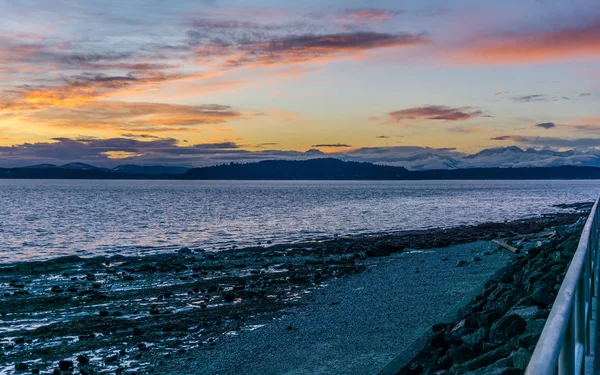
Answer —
507 327
65 365
543 295
21 366
477 337
461 354
185 250
83 360
521 358
377 252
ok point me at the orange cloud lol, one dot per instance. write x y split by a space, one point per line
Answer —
574 43
133 117
369 14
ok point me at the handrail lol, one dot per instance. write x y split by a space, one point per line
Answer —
568 339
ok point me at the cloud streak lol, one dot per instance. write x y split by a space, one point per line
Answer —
331 145
434 112
580 42
558 142
369 14
546 125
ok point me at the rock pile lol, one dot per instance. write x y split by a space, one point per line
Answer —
497 331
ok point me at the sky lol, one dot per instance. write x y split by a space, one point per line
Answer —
202 82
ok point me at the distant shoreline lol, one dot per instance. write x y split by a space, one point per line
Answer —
306 170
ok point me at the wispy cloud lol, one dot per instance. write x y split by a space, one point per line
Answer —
331 145
369 14
434 112
529 98
546 125
262 48
551 141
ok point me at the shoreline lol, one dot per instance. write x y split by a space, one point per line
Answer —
129 313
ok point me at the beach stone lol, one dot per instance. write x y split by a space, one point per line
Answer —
536 326
438 340
525 312
462 263
528 340
376 252
185 250
21 366
439 327
476 337
543 295
507 327
487 359
521 358
82 359
65 365
228 297
496 371
35 370
461 354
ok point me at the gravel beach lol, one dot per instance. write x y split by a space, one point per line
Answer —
355 325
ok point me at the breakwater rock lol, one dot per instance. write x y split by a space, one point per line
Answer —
497 331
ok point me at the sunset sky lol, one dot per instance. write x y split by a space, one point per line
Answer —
198 82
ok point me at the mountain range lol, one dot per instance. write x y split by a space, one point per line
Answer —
312 169
127 169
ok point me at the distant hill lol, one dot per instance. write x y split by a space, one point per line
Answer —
312 169
150 169
82 167
334 169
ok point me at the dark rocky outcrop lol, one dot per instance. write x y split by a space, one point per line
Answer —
497 331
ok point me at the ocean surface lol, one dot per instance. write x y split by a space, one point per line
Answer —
41 219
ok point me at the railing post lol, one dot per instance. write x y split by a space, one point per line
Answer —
566 360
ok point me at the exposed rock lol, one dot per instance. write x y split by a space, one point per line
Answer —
507 327
543 295
521 358
82 359
65 365
377 252
185 250
21 366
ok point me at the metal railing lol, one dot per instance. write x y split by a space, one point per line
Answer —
567 343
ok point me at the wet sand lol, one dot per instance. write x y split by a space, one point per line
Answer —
196 312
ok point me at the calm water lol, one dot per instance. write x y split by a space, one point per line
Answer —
42 219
